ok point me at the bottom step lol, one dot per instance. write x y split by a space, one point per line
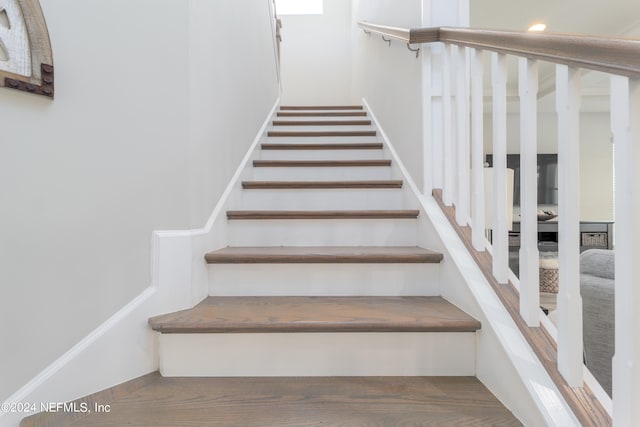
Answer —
317 336
368 401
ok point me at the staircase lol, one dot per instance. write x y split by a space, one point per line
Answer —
323 309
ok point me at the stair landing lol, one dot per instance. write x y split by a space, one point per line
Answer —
303 401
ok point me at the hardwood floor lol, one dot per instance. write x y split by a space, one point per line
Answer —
300 401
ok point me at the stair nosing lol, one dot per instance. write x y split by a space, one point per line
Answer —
321 163
332 214
323 255
378 314
323 146
313 134
321 107
344 113
321 123
368 184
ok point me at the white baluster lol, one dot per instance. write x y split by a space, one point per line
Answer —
625 104
529 256
477 150
462 136
447 129
500 234
570 361
427 124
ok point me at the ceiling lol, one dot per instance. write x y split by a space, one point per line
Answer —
596 17
613 17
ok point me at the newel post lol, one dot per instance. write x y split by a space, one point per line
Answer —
436 90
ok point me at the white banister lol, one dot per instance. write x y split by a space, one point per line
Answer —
529 256
447 129
428 160
462 136
477 149
570 361
625 104
500 235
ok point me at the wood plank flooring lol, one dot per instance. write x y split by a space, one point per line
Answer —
299 402
317 314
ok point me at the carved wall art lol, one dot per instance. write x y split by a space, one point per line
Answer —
26 61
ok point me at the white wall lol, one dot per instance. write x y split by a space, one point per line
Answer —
316 56
596 156
389 77
156 102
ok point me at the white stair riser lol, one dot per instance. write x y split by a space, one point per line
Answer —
322 199
318 232
321 154
321 139
324 279
321 173
318 354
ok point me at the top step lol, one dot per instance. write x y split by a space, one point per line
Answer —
321 107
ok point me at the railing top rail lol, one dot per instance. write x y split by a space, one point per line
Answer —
615 55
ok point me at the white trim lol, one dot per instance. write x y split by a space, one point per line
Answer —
531 389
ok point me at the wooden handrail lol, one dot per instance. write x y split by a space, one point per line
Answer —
407 35
615 55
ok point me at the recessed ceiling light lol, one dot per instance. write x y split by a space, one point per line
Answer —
538 27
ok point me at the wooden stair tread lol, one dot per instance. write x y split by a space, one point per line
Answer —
262 185
323 255
301 134
344 113
320 163
317 314
362 214
321 107
324 146
288 402
322 122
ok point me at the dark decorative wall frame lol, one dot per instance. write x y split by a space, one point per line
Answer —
26 60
